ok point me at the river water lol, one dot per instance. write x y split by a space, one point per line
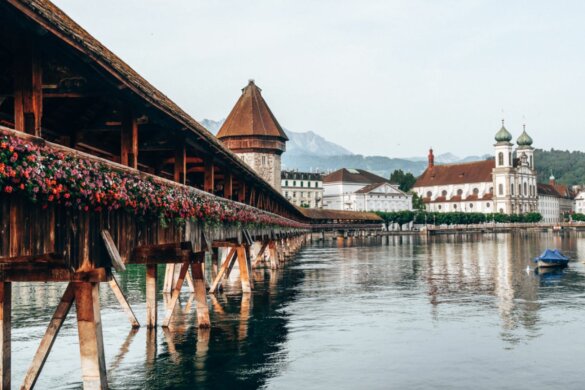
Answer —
451 312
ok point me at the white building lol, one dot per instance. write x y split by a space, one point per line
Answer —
359 190
549 203
580 203
302 189
505 184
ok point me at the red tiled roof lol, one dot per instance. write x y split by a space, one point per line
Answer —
473 172
251 116
354 176
547 189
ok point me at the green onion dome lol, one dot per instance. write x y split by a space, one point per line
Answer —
524 139
503 135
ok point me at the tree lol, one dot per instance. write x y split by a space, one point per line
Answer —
417 201
405 181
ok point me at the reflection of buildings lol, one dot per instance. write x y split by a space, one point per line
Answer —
491 266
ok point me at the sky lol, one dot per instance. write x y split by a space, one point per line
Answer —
391 77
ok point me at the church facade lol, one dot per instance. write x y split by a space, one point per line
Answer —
505 184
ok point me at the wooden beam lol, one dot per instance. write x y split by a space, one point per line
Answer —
49 338
151 306
244 270
28 87
115 286
180 164
48 258
129 141
228 186
200 292
161 253
18 272
5 334
231 257
175 295
91 343
209 179
259 256
242 192
273 255
112 250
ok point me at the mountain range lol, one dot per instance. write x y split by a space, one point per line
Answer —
308 151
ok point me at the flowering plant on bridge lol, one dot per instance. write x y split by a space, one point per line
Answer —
47 176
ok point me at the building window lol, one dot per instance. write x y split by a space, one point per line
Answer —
476 191
454 206
510 158
459 192
263 160
525 189
301 183
487 205
429 194
444 193
286 183
501 159
471 205
501 189
286 194
294 194
294 183
439 207
511 188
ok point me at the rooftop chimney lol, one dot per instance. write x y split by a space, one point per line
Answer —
431 158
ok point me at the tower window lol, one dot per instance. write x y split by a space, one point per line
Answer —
501 159
501 189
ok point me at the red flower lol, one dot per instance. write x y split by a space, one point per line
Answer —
8 189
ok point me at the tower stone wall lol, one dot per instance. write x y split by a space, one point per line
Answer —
266 165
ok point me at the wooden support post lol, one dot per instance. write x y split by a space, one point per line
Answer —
129 141
123 302
228 186
5 334
260 255
180 168
230 259
209 177
49 338
91 344
28 87
273 255
200 293
242 192
151 306
176 293
244 270
169 278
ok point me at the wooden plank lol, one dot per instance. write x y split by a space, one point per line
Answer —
169 278
224 244
48 258
113 251
115 286
273 255
91 345
5 334
175 295
49 273
200 293
244 271
231 258
49 338
151 305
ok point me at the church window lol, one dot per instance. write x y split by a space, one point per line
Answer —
501 159
487 205
439 207
444 193
454 206
519 189
530 161
460 192
429 194
476 191
501 210
511 188
501 189
491 190
471 205
525 189
510 158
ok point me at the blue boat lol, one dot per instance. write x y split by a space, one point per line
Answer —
552 258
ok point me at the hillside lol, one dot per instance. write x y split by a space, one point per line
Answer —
567 167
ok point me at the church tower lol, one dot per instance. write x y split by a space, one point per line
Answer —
504 187
253 133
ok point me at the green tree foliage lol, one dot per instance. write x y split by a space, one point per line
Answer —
404 180
455 218
578 217
567 167
417 201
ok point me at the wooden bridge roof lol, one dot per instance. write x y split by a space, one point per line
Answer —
322 214
49 18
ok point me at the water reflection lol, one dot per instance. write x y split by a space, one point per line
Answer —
401 311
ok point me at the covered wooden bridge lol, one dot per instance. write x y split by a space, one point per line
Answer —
99 169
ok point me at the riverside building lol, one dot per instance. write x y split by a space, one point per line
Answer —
303 189
504 184
359 190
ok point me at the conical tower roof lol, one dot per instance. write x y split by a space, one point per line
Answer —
251 116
